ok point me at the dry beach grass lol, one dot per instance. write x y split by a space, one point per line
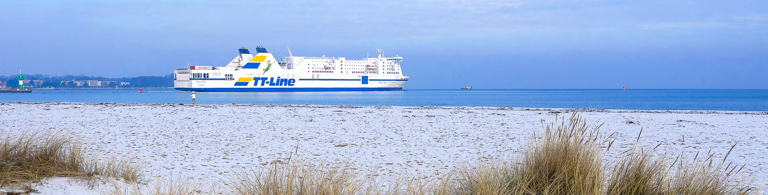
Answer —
173 186
565 158
298 178
32 157
638 173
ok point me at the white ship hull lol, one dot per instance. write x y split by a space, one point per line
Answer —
209 85
262 73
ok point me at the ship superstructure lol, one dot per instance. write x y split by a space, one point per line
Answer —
260 72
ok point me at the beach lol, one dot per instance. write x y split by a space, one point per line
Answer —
210 143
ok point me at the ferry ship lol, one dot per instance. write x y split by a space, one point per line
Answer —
260 72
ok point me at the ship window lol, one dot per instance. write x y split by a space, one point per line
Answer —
228 77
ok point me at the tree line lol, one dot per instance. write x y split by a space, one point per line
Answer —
69 81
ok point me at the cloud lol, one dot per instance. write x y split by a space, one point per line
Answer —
684 25
752 20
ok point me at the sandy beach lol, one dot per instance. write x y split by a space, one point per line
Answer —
208 143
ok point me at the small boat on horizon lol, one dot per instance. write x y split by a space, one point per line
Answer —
467 88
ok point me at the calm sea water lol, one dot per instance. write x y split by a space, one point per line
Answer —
644 99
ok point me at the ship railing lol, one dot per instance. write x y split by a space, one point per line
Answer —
318 58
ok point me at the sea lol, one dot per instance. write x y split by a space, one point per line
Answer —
635 99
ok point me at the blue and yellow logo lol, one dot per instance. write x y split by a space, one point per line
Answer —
243 81
265 81
255 62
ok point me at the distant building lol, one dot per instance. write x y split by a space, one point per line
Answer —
125 83
28 84
38 83
3 85
93 83
78 83
71 83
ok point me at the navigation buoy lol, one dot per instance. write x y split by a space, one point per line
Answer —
139 90
623 88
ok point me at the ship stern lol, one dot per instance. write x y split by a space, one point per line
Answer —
181 79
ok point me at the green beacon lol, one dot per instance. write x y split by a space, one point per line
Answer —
21 81
21 88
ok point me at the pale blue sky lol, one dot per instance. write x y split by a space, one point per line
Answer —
445 44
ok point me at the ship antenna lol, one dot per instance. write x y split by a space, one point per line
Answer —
289 51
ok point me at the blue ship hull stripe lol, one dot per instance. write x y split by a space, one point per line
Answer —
221 79
329 79
287 89
388 79
204 79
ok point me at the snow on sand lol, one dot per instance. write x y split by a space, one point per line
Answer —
208 143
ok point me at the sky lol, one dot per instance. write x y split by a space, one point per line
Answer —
486 44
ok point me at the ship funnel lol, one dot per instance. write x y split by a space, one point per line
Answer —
261 49
243 50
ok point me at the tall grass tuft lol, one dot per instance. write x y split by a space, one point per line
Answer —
567 160
30 157
707 176
113 167
178 186
481 179
298 178
639 173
